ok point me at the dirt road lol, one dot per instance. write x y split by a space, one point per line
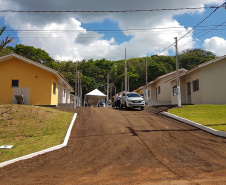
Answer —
111 146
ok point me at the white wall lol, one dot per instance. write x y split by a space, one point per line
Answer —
165 90
63 97
214 83
196 97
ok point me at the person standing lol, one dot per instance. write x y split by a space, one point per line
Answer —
118 100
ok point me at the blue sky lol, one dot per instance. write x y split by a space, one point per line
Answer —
191 20
77 36
110 26
4 34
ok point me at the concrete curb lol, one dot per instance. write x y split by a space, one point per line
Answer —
207 129
46 150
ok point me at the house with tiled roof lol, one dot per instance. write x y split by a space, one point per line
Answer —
204 84
159 90
25 81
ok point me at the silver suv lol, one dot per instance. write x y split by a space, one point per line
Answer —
132 99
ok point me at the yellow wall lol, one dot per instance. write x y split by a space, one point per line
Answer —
37 79
54 97
139 91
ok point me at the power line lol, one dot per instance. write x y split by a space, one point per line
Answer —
101 11
115 30
125 30
105 33
204 33
216 8
201 22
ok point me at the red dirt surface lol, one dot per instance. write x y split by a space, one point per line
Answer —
112 146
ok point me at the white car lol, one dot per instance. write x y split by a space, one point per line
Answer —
132 99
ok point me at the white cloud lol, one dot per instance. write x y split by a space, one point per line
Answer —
216 44
89 44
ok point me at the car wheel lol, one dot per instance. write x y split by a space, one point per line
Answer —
142 108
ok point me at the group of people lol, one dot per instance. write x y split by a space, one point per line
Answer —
100 103
117 100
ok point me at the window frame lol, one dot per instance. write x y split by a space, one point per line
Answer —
54 88
159 90
195 85
14 85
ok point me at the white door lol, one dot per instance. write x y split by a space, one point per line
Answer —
189 92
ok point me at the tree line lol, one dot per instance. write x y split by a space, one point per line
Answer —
93 73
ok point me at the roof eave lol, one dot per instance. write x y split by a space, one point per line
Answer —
56 73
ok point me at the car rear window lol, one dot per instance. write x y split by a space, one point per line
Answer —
133 95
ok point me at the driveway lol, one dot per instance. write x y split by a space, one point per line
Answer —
112 146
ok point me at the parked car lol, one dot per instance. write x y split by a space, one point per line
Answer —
132 99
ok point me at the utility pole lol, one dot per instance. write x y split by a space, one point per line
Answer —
110 92
125 72
128 82
178 76
76 84
78 90
146 90
107 90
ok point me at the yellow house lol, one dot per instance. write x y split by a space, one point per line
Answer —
38 84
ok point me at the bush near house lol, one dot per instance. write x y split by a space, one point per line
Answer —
212 116
30 129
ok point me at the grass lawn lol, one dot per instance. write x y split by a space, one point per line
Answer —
213 116
30 129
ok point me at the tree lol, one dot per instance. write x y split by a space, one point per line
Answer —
190 58
156 69
35 54
5 41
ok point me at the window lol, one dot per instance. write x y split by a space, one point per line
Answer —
158 89
54 88
15 83
149 93
175 91
133 95
195 85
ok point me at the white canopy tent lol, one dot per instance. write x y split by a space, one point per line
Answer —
94 96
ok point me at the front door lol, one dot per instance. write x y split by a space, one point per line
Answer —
189 92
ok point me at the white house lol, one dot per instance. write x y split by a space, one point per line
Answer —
204 84
159 90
